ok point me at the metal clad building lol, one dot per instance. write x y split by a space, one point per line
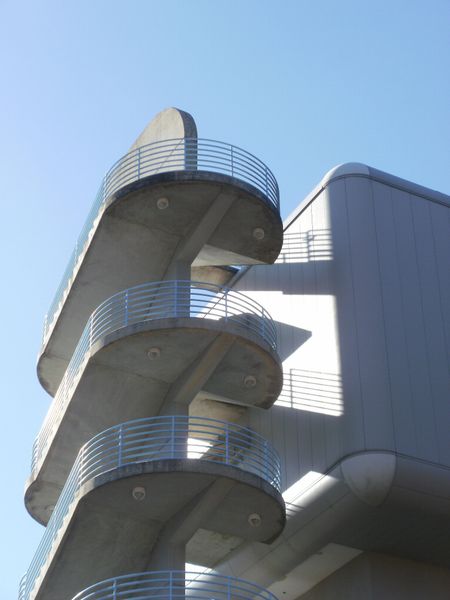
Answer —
361 297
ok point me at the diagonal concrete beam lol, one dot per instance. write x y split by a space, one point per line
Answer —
192 380
169 551
190 246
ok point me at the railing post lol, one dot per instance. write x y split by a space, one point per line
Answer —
126 309
229 590
90 330
170 585
265 178
173 437
114 590
232 162
120 446
139 163
80 469
263 324
104 187
175 299
226 306
227 442
265 460
190 154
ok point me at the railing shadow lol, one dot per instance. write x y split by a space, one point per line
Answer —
308 246
312 391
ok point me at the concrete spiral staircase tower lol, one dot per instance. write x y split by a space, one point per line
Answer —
144 461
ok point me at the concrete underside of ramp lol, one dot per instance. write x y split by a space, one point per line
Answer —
108 533
210 220
198 358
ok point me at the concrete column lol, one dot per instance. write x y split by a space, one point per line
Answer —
179 270
169 550
187 386
189 247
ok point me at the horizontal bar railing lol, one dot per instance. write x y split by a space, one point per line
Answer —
154 439
312 391
173 585
184 154
22 587
151 302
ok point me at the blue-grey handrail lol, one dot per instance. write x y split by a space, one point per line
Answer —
154 439
151 302
172 585
183 154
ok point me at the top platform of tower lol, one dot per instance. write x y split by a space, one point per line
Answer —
175 205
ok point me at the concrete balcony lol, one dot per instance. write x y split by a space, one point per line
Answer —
143 350
129 482
179 202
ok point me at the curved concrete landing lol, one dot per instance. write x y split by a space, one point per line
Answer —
106 518
210 220
198 358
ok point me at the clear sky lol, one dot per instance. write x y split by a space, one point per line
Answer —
304 85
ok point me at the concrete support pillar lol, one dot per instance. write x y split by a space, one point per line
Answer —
169 550
190 246
187 386
179 270
176 409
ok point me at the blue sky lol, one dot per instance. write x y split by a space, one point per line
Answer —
303 85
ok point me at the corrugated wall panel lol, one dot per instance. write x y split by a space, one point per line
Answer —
440 221
414 326
361 293
433 324
368 314
394 323
353 433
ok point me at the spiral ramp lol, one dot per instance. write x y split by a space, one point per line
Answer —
144 461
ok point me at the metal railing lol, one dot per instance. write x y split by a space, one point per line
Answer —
175 585
22 587
152 439
149 302
184 154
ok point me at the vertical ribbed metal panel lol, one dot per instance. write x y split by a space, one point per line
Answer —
361 291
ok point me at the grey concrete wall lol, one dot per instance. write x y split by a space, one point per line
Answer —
382 577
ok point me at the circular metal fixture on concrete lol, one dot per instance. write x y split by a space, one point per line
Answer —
258 233
138 493
154 353
162 203
254 520
249 381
